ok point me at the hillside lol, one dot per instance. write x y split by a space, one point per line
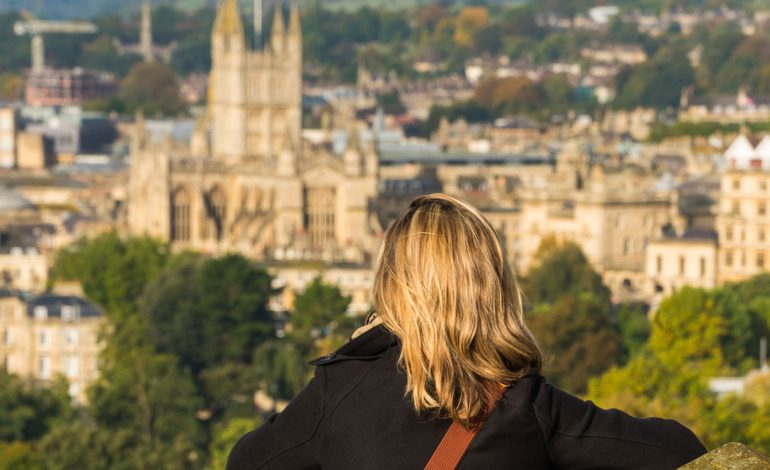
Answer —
67 9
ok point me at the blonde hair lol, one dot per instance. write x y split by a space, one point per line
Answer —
443 286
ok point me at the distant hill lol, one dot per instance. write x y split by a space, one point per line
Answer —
69 9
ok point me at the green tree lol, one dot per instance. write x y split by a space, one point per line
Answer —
28 411
281 368
19 455
578 338
225 437
113 271
152 404
152 87
562 270
319 320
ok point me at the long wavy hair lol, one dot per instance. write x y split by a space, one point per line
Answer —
444 287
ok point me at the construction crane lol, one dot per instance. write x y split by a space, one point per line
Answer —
37 28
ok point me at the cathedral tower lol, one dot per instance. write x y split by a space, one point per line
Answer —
256 96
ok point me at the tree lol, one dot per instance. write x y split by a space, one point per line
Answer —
151 404
657 82
19 455
28 411
319 319
562 270
152 87
281 368
225 437
209 312
111 270
578 337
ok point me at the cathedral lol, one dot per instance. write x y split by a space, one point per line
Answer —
247 181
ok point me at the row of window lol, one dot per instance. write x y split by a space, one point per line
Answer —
759 259
71 337
736 184
71 366
682 265
735 208
730 236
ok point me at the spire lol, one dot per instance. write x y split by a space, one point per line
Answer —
352 156
228 20
295 28
146 32
279 29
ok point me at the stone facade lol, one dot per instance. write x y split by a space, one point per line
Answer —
50 335
743 224
248 182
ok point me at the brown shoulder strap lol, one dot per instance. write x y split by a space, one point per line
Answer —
455 443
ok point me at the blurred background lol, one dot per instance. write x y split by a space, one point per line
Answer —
193 192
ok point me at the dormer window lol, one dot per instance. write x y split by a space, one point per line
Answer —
68 312
40 312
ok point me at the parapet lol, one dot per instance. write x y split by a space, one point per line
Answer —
731 456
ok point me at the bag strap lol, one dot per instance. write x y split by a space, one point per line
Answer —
454 445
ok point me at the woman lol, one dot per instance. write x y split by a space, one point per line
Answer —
449 355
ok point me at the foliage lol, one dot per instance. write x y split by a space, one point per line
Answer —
147 397
281 368
225 437
656 83
692 340
152 87
578 338
319 320
562 270
28 411
19 455
112 271
570 315
634 329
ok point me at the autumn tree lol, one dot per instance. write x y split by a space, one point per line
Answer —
152 87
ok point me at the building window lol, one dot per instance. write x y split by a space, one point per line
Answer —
180 216
761 209
71 336
702 266
40 312
681 265
626 246
763 185
760 260
44 367
728 232
320 204
68 312
736 209
216 210
736 183
728 258
761 234
42 338
658 264
743 258
72 366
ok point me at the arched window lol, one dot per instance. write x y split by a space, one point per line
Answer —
216 209
180 216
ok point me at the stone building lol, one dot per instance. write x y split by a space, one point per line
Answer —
50 335
743 224
248 182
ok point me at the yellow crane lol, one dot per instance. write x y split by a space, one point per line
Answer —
37 28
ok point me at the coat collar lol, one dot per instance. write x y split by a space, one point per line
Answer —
369 345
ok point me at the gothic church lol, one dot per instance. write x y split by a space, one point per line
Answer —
247 181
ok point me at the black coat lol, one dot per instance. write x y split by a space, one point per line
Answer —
354 415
